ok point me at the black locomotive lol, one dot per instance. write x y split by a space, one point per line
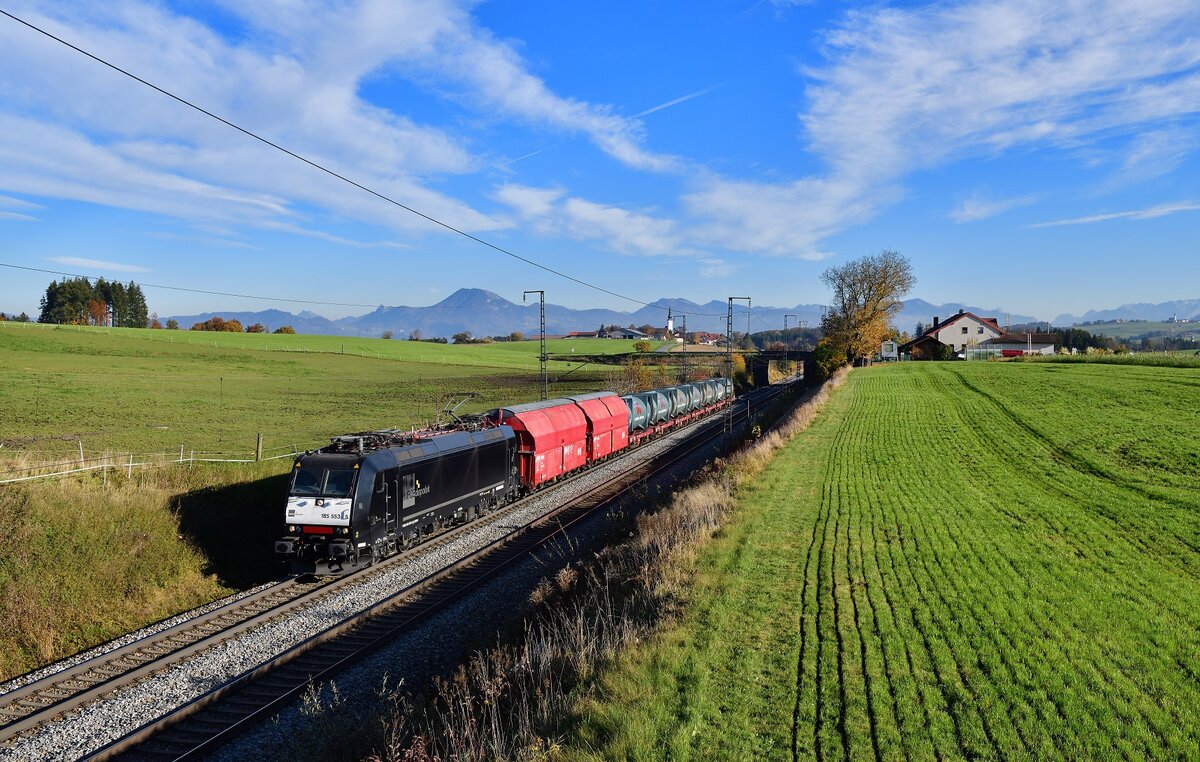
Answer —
365 496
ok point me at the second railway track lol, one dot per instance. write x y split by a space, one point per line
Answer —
199 724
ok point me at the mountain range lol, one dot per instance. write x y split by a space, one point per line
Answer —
1180 308
484 313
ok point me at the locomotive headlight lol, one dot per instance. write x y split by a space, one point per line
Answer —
291 529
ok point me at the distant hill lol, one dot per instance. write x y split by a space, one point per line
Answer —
919 310
484 313
1180 308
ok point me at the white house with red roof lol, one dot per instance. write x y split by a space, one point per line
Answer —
963 330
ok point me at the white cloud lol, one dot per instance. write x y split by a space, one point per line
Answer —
1137 214
553 212
624 231
9 202
98 264
17 217
906 89
1154 154
294 76
528 201
977 207
785 219
716 268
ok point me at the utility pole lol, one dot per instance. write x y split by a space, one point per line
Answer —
542 354
686 370
785 339
729 354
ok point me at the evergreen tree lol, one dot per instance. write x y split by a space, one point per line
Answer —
67 302
137 315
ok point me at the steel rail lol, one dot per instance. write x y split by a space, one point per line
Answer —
204 723
26 707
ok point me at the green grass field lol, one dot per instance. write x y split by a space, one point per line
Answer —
958 560
87 558
1185 358
137 390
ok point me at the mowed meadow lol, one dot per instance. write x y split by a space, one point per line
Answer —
957 560
139 390
89 557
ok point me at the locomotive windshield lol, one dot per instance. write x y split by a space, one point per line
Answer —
334 482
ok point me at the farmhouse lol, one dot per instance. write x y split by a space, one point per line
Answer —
959 332
625 333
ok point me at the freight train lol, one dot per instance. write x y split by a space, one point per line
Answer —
365 496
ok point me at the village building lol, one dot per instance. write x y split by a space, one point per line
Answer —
959 332
625 333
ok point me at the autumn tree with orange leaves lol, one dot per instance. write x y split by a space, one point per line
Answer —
866 297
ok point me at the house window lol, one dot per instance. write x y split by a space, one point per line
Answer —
965 329
980 330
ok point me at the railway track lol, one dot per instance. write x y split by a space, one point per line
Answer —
203 723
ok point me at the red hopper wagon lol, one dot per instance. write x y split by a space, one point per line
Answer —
551 437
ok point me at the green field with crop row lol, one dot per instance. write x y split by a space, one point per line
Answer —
138 390
958 560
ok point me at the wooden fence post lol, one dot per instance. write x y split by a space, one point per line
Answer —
258 448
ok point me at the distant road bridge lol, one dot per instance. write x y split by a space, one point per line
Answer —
757 361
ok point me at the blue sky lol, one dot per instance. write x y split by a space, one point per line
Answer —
1036 157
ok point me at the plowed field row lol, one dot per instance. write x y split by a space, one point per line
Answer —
956 561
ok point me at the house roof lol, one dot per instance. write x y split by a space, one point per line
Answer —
922 339
989 321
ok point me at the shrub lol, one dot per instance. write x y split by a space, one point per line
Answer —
217 323
284 329
256 328
643 346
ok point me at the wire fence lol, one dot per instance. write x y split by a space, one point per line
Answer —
19 467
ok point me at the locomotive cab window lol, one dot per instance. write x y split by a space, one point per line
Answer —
339 482
320 481
307 481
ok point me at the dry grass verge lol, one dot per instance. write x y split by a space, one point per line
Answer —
83 561
513 701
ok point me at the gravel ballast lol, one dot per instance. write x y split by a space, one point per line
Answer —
120 713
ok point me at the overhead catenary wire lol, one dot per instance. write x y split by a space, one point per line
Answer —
193 290
328 171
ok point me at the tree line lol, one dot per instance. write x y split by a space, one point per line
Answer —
77 301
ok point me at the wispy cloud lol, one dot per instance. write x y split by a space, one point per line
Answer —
294 75
17 217
676 101
978 207
1137 214
716 268
552 211
909 89
99 264
8 202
